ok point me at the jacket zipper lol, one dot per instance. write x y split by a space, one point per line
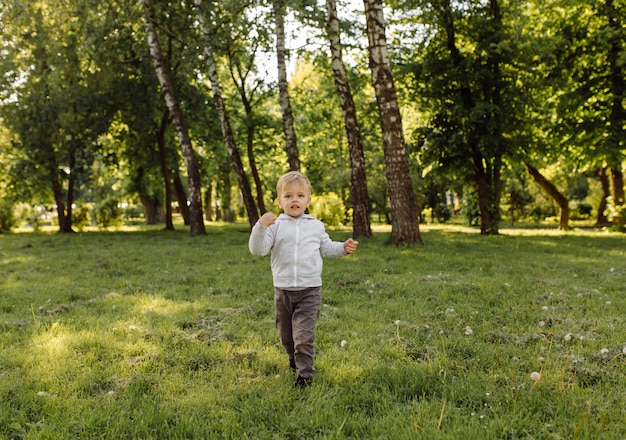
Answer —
295 254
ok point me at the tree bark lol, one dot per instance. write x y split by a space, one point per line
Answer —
283 90
553 192
601 218
360 213
231 146
167 89
165 172
404 212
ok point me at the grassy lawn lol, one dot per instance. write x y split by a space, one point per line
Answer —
152 334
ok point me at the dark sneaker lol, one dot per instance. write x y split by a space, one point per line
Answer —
292 365
303 382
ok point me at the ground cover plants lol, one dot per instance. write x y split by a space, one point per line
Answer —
153 334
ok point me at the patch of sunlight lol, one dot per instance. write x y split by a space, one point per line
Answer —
16 259
157 305
344 373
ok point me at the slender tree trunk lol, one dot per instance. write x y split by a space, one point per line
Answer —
240 82
553 192
165 81
601 218
181 196
283 90
231 146
65 225
208 204
360 213
165 172
404 212
255 171
71 182
65 222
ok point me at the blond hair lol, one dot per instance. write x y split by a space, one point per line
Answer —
293 178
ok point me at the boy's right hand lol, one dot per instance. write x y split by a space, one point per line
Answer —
267 219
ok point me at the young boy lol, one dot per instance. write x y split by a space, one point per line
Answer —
297 242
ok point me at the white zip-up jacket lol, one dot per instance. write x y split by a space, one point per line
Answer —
297 245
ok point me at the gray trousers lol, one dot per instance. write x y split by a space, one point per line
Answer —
296 317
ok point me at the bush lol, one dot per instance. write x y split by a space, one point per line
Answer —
442 213
108 214
7 219
81 217
328 208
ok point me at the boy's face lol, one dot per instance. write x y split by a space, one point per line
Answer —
294 200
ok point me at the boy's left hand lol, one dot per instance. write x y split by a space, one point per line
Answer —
350 246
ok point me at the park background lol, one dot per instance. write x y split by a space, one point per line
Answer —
150 134
399 113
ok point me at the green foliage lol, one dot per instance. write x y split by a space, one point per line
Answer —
442 212
328 208
155 334
108 213
81 217
7 218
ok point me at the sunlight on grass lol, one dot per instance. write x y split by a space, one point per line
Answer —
514 336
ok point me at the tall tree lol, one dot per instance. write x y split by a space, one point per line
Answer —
466 82
283 88
360 199
58 103
233 151
167 89
588 80
404 212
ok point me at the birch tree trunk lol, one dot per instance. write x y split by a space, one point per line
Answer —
360 214
404 212
233 152
196 224
283 90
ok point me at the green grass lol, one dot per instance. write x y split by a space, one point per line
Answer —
153 334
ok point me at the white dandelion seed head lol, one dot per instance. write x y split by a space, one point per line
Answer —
567 337
132 327
41 394
542 323
535 376
608 303
344 343
624 350
544 308
468 330
397 322
604 351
